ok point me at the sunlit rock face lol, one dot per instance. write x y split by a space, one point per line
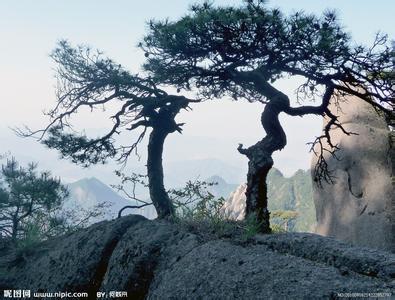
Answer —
234 207
359 206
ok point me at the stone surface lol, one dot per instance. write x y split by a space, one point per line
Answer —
359 206
159 260
145 249
76 262
222 270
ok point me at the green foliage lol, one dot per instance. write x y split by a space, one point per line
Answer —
240 51
276 228
89 80
43 226
285 214
79 148
32 207
26 244
25 195
210 41
194 198
211 45
197 208
200 211
281 219
251 227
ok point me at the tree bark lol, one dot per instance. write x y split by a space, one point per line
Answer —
259 165
158 194
15 225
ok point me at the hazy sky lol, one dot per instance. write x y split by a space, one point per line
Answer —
29 31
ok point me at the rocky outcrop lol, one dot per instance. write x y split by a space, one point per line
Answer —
159 260
77 262
234 207
359 206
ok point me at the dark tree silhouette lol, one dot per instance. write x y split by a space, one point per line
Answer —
241 51
24 195
86 79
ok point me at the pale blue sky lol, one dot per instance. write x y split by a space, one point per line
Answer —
30 29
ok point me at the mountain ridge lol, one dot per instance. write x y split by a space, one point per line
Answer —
284 193
89 192
293 193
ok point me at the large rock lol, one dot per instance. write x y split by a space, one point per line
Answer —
224 270
76 262
359 206
144 250
235 206
159 260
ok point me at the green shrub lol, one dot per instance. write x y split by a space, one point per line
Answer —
250 227
199 210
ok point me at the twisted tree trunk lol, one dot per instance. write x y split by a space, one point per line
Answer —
159 196
162 123
15 228
259 165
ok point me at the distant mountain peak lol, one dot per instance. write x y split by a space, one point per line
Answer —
90 191
216 179
88 180
276 172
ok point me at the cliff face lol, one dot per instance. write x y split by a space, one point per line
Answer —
158 260
359 206
293 193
